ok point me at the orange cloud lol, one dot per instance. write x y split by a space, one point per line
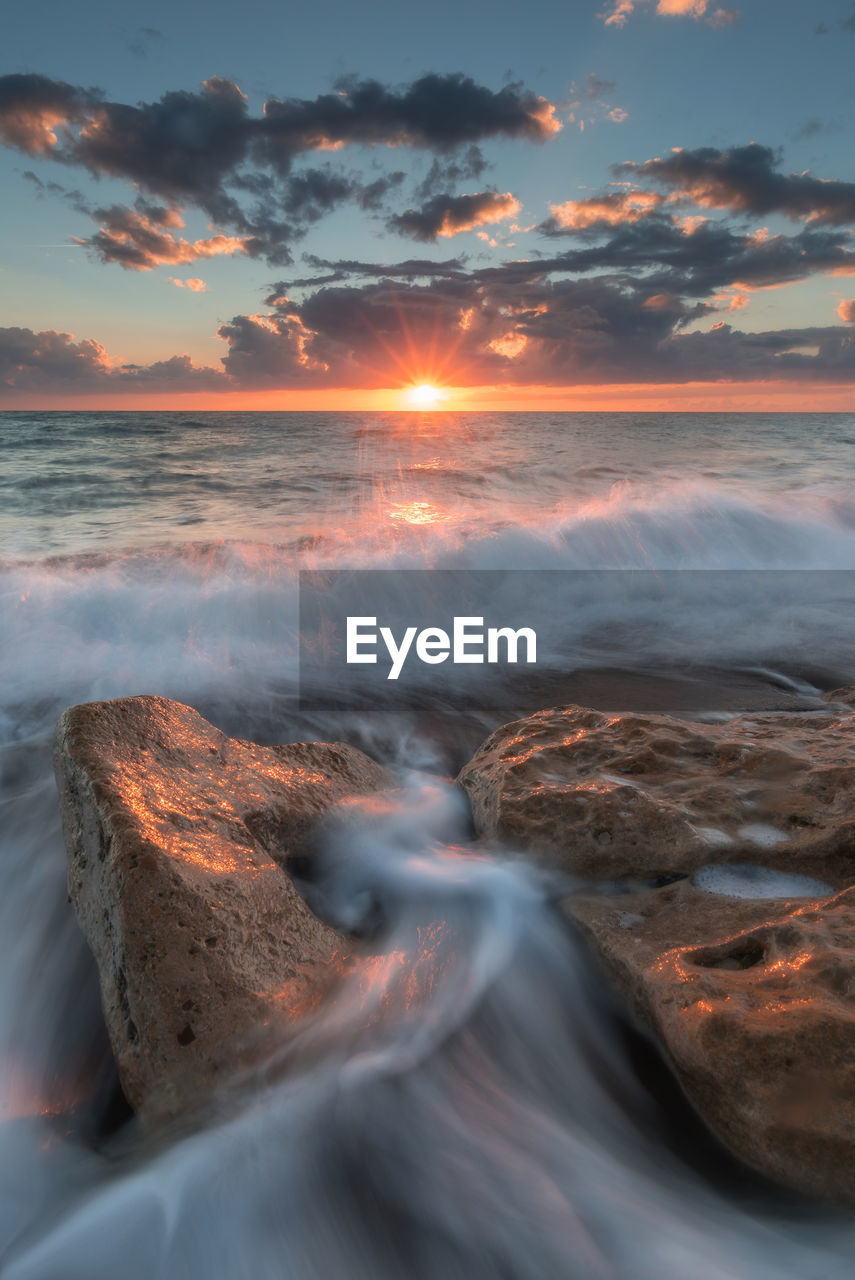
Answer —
499 209
612 210
141 241
509 345
700 10
33 131
194 284
619 14
846 310
682 8
448 216
544 116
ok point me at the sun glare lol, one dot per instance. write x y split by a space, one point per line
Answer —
424 396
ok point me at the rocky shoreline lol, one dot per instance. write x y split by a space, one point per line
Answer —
180 841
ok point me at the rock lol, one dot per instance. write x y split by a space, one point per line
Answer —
610 796
844 696
178 839
755 1010
751 1001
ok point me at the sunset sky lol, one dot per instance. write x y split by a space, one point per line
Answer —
591 203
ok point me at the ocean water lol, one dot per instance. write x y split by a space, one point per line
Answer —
497 1127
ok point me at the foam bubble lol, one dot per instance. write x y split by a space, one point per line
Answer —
743 880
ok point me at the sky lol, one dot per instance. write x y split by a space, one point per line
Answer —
591 203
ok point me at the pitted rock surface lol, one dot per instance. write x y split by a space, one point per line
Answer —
752 1001
178 842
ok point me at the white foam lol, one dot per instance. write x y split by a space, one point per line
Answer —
742 880
714 836
762 834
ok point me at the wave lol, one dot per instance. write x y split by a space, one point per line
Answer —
221 618
493 1129
463 1108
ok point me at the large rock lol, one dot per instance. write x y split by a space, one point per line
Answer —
751 1000
608 795
178 838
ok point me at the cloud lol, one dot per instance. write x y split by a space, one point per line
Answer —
444 174
813 127
54 361
747 180
206 150
32 107
595 88
491 329
603 211
309 196
140 239
436 112
145 40
515 323
185 144
700 10
587 103
619 13
846 310
698 260
194 284
447 215
344 268
35 359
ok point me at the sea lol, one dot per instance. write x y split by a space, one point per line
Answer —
509 1125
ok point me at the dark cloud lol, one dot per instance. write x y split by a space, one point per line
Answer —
625 287
145 237
747 180
182 147
185 144
698 260
489 331
32 107
439 113
313 193
345 268
445 174
371 195
508 324
205 150
727 353
447 215
52 361
29 359
57 190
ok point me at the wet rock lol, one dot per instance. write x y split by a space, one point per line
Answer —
609 796
843 696
178 839
753 1004
752 1001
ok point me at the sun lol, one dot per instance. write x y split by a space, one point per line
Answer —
424 396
